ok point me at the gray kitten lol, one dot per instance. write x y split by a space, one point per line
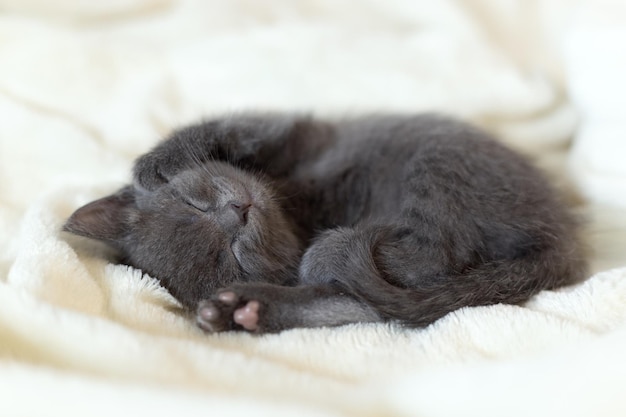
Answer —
270 222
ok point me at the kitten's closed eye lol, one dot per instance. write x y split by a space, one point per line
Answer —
203 206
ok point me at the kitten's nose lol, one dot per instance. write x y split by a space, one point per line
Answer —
241 209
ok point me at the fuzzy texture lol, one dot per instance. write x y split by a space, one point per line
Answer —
86 87
406 218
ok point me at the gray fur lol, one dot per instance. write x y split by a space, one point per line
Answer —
401 218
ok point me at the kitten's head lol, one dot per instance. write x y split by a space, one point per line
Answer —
205 228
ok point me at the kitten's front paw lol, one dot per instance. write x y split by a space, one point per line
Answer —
228 311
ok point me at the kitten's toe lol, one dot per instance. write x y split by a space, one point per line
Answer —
208 312
211 318
227 297
248 316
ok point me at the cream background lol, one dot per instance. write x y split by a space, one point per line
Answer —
85 87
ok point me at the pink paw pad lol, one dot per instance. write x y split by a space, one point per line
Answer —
248 315
227 297
209 312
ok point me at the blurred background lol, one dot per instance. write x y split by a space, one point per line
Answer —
87 86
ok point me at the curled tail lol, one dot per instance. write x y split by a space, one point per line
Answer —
500 281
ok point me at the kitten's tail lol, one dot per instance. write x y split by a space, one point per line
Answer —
503 281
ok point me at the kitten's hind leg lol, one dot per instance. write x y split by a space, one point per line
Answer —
267 308
405 280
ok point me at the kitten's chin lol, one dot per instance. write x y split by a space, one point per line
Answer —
272 258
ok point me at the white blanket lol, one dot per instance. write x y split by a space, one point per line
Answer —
85 87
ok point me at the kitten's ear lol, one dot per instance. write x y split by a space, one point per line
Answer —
109 218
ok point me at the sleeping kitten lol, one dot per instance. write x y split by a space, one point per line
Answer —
270 222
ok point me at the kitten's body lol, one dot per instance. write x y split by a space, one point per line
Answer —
384 218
